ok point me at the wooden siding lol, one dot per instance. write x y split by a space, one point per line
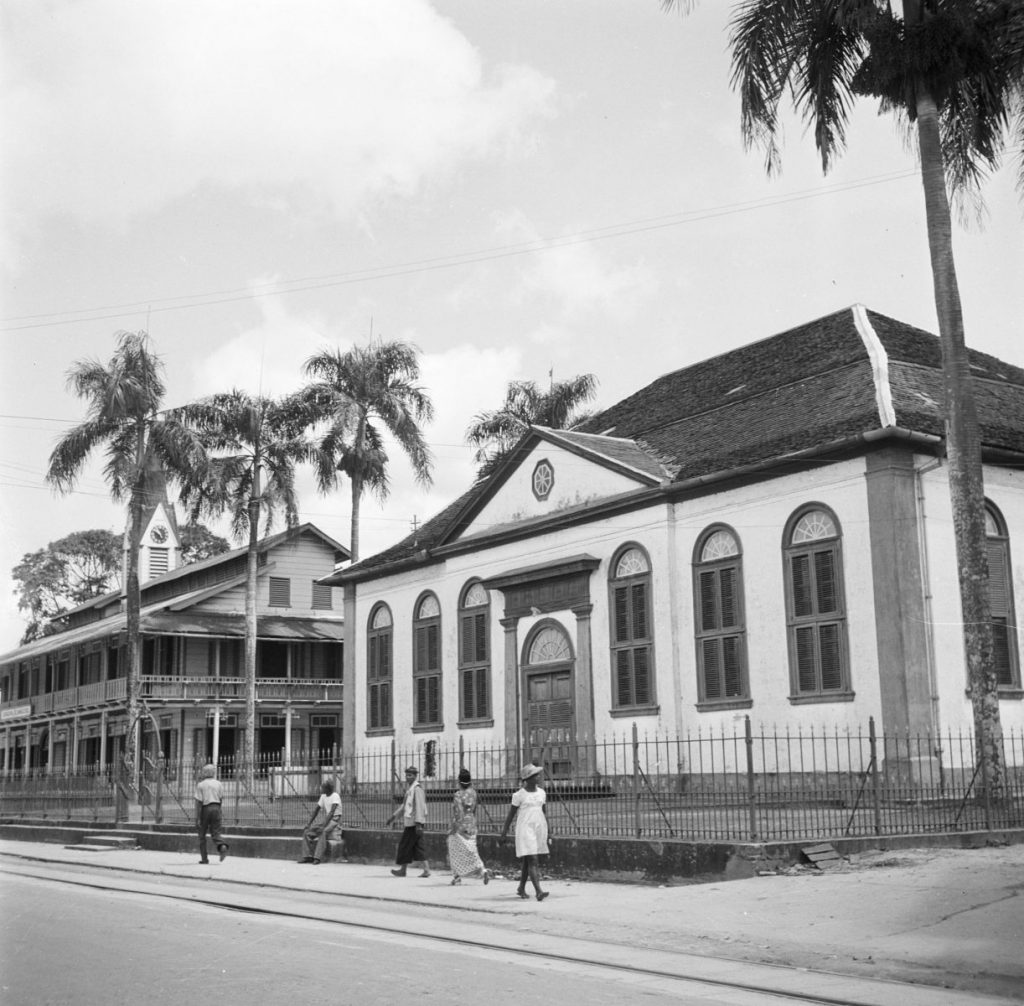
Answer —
301 561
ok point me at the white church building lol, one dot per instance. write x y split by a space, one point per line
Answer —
767 533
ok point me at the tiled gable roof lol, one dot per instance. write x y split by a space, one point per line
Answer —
627 453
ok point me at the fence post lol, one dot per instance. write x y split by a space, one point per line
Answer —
876 797
748 741
636 782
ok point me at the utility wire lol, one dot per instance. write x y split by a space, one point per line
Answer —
306 284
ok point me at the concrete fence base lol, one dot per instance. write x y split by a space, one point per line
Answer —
610 859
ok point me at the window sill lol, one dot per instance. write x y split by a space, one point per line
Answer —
818 699
1011 693
711 706
428 728
380 732
634 711
474 724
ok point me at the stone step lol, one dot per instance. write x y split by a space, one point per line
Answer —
103 843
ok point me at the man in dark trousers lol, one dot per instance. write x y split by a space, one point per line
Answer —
413 812
209 797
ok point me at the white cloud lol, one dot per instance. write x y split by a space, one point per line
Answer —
115 108
575 281
264 359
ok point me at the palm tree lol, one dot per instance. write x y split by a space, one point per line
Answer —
254 444
495 433
361 394
955 70
142 446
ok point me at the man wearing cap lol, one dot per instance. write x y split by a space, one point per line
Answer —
413 812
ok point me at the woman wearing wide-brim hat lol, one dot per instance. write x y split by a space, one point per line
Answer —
529 808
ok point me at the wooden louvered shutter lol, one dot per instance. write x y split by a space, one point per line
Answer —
421 649
433 647
479 636
482 698
708 602
732 666
641 676
638 614
621 614
805 662
825 594
624 691
729 606
421 700
711 651
1000 607
800 581
467 639
830 655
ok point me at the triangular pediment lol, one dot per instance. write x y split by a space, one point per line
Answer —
551 471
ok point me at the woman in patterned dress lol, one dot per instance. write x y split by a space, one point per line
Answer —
462 852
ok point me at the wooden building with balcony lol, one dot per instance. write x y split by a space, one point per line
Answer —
63 697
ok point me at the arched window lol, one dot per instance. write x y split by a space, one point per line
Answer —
816 606
632 651
474 654
1000 596
426 662
719 618
378 668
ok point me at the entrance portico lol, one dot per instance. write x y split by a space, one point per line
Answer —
549 693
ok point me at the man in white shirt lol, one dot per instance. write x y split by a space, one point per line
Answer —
209 797
316 837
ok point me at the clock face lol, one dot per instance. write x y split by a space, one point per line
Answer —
159 534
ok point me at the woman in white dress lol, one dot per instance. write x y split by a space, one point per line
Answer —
530 812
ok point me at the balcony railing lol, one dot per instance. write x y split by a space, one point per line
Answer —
165 688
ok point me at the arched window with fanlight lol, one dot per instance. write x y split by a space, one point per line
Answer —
1000 596
816 606
379 633
632 644
474 654
426 662
719 619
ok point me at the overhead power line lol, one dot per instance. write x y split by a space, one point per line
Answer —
307 283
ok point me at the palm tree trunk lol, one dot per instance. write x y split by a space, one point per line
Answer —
133 608
963 449
357 492
358 448
251 567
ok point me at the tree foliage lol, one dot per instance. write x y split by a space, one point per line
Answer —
494 433
64 574
253 444
357 397
142 448
198 542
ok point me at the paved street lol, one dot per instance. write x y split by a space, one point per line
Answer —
941 917
104 948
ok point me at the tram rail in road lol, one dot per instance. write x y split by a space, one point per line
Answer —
735 982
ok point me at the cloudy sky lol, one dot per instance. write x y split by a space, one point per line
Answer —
518 188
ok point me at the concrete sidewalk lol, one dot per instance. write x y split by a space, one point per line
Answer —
942 917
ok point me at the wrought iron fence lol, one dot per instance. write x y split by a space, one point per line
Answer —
743 786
